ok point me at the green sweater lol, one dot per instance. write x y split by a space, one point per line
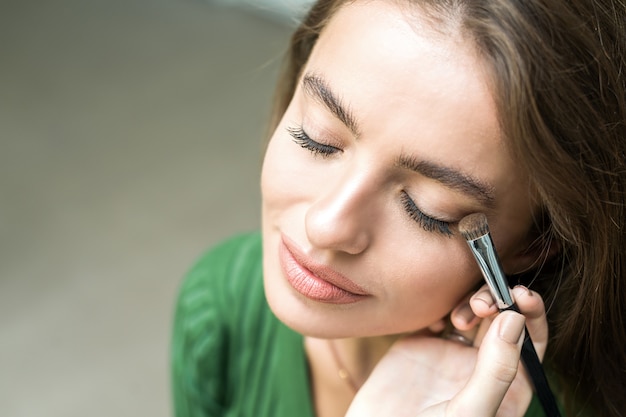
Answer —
230 355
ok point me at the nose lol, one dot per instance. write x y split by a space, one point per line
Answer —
343 217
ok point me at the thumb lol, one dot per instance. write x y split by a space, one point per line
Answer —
497 365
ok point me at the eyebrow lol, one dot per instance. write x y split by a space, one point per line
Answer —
317 88
451 178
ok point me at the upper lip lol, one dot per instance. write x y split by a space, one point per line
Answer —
322 271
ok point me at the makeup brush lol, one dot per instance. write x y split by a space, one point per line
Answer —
475 230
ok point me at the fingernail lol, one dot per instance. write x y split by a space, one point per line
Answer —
520 290
465 313
511 327
486 298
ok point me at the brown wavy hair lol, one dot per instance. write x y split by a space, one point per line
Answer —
558 73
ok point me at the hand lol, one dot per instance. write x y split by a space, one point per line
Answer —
425 375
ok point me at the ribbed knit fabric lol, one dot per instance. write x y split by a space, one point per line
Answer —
231 357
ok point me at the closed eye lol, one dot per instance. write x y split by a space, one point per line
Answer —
428 223
301 138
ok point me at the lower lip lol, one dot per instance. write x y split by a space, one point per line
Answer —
311 286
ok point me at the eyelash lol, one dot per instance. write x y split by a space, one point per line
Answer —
301 138
428 223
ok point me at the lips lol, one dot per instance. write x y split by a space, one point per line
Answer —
316 281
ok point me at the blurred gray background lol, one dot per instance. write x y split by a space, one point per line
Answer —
131 137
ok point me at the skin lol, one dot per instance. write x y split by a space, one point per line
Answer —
412 94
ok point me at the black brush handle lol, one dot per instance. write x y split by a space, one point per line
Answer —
533 366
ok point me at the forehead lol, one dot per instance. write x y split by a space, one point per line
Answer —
397 70
364 37
421 91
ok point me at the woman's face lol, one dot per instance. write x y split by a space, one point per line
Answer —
391 138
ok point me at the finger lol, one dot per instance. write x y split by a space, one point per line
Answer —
483 306
529 302
482 329
462 317
531 305
482 303
463 324
497 365
437 327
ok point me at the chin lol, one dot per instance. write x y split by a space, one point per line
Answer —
303 316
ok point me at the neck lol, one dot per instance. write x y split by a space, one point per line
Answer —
332 394
359 356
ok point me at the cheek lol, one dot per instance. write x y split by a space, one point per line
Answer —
290 175
424 280
446 274
269 173
279 174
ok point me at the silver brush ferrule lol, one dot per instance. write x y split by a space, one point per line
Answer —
485 253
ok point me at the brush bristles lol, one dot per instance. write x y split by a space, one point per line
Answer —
474 226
